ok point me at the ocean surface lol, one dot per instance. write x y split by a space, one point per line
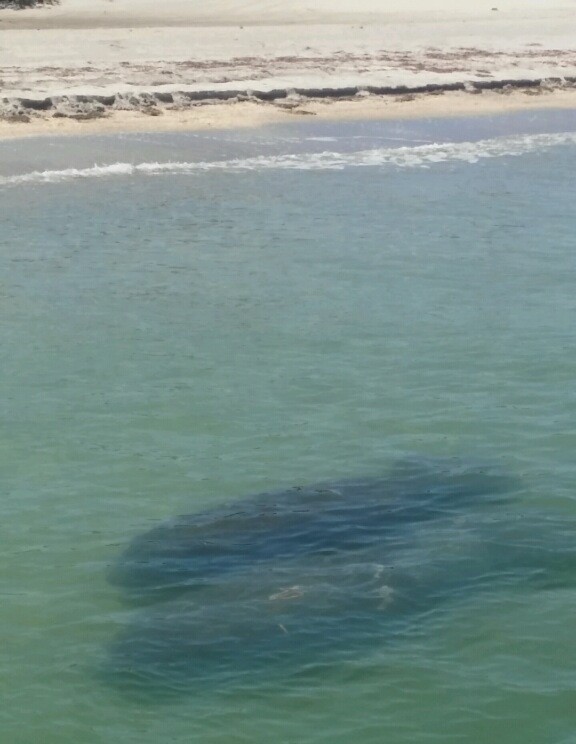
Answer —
191 319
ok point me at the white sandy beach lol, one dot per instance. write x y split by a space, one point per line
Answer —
134 50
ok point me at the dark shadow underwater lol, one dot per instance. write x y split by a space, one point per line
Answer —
274 582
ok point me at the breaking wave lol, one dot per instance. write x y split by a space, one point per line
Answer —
420 156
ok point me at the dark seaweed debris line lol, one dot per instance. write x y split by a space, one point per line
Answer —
84 107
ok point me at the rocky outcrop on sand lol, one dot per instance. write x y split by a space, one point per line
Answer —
87 107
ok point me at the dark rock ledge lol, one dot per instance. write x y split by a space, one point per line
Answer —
85 107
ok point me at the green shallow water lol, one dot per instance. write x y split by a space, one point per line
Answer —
177 340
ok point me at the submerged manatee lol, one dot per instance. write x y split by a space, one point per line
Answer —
317 521
281 618
278 580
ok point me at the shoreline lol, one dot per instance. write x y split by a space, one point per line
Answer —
89 116
98 66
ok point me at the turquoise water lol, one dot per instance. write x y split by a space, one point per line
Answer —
223 315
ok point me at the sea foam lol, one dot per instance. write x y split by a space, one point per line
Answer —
419 156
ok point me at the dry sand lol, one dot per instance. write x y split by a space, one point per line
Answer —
144 58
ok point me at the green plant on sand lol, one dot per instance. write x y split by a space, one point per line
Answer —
20 4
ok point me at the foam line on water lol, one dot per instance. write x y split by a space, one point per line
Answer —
419 156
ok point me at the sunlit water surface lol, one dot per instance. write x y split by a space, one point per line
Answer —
177 336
